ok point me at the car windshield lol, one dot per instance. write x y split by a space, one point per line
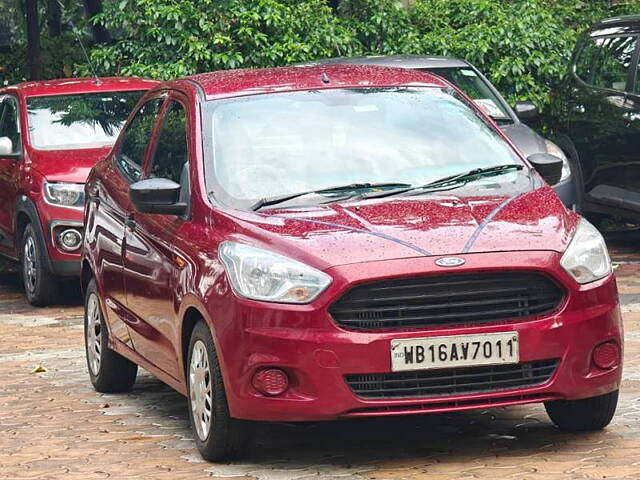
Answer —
90 120
263 146
467 80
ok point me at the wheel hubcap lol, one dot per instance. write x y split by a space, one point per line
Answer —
93 334
30 262
200 389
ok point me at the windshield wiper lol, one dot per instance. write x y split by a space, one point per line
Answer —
452 181
472 175
265 202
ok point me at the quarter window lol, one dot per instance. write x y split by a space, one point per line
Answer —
604 62
9 124
171 154
136 137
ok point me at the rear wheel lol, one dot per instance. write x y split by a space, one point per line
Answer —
218 436
109 371
39 284
587 414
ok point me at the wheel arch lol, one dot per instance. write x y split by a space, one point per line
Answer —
26 212
86 274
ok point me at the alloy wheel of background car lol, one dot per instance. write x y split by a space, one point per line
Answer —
109 371
29 264
217 435
200 390
39 285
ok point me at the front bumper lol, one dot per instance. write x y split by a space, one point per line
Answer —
317 354
53 220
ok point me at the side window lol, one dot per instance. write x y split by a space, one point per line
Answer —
9 123
135 140
604 62
171 156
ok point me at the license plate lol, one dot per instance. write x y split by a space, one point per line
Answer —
454 351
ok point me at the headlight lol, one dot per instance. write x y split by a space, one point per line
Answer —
65 194
586 258
554 149
261 275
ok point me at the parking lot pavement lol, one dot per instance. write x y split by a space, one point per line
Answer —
54 426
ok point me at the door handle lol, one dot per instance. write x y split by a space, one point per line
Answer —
130 222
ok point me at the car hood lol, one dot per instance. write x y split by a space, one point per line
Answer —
66 165
523 137
405 227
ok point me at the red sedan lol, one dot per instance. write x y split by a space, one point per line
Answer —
330 242
51 134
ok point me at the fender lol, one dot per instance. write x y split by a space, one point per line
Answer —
191 301
26 206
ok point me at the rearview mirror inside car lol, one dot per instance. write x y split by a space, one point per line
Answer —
547 165
157 195
526 111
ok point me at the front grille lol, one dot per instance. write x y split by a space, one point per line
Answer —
451 381
446 300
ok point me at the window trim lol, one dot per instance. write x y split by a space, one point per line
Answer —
118 146
631 73
172 96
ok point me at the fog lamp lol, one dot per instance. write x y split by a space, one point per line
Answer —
70 240
606 355
270 381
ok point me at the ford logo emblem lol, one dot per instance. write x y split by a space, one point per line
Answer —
450 261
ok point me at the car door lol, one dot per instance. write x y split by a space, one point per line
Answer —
9 172
108 207
153 262
604 122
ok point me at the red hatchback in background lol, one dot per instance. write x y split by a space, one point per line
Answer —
330 242
51 134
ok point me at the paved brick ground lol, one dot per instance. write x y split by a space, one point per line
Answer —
54 426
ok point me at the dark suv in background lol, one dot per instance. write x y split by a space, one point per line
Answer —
597 118
512 121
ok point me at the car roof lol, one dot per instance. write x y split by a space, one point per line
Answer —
400 61
234 83
65 86
624 23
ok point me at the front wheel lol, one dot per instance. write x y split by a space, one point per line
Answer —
218 436
39 284
587 414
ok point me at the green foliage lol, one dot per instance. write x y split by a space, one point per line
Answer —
379 26
169 38
523 46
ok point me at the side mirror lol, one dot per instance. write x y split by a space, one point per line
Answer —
157 195
6 147
526 111
548 166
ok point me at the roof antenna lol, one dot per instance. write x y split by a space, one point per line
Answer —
325 78
84 50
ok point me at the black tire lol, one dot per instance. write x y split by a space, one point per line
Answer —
40 286
226 436
584 415
112 373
